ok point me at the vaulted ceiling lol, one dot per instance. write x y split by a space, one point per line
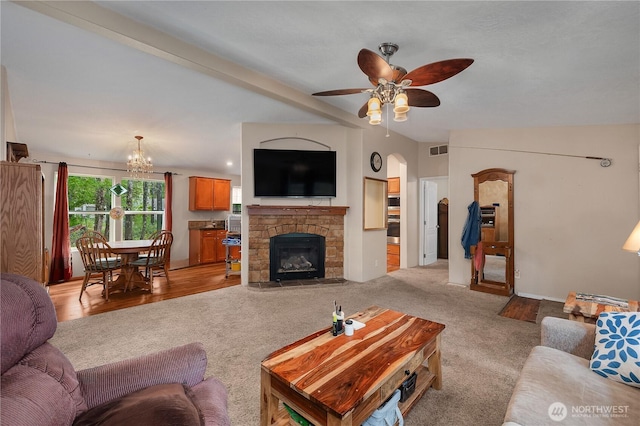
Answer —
84 77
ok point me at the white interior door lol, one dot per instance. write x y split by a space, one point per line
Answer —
430 221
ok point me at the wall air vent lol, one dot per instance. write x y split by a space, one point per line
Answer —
438 150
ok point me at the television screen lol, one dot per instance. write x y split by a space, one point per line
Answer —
292 173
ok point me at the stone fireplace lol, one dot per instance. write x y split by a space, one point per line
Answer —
266 222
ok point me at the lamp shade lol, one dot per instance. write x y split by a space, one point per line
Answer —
374 107
633 242
400 116
375 118
401 104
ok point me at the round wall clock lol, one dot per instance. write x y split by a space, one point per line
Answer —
376 161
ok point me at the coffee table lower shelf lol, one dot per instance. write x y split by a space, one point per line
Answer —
424 381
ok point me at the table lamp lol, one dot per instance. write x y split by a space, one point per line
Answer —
633 242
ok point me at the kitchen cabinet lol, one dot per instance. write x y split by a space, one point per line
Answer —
205 246
22 221
209 193
393 257
393 185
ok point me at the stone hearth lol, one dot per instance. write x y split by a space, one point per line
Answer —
268 221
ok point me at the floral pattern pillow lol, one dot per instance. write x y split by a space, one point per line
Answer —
617 348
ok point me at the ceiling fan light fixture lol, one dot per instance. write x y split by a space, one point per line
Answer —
401 103
400 116
374 106
375 118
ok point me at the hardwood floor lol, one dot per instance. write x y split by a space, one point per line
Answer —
182 282
521 308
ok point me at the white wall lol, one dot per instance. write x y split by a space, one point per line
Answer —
7 123
180 205
365 251
571 215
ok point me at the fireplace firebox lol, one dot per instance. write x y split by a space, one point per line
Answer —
296 256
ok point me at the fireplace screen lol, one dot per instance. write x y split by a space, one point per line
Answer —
296 256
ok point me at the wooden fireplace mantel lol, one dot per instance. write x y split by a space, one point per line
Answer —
256 209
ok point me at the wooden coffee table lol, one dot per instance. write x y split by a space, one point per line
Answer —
586 307
340 380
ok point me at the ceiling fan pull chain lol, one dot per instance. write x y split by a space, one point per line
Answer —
386 106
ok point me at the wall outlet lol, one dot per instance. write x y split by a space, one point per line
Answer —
516 273
376 262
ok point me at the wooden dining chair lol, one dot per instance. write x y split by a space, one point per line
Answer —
98 260
157 257
94 234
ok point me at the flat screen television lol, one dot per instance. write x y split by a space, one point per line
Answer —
293 173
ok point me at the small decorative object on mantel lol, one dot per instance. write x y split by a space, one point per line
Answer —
117 213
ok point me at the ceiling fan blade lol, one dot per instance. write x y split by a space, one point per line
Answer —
437 71
363 111
339 92
374 66
422 98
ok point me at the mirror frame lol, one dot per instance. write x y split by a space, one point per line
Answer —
504 248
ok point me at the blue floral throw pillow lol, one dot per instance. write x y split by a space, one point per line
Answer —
617 349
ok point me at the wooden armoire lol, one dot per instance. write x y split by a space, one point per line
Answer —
22 249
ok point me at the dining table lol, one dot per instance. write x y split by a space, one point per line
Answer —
131 277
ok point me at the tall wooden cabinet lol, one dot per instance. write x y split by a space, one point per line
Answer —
209 193
443 230
22 249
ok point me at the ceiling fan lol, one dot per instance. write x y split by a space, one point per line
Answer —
392 83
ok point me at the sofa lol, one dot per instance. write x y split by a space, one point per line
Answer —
557 385
41 387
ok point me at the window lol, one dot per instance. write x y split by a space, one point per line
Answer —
143 204
236 200
89 204
91 200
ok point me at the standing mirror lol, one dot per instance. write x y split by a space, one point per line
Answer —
492 268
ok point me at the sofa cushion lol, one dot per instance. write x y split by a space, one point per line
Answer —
550 376
159 405
617 347
28 317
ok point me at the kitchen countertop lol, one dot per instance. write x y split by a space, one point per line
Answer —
206 224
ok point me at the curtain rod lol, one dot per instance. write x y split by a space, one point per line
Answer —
604 161
97 167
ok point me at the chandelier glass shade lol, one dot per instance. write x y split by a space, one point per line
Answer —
137 165
387 92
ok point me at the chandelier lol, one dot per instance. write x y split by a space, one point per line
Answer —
137 165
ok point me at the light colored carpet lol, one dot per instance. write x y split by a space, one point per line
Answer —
482 353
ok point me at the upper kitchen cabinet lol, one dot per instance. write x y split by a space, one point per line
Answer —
394 185
209 193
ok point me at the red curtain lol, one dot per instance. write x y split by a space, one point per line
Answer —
61 246
168 195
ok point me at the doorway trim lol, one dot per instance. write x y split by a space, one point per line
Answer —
442 183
